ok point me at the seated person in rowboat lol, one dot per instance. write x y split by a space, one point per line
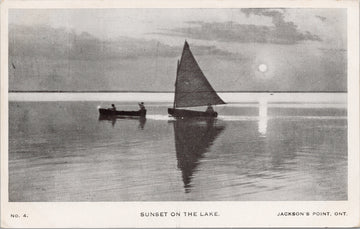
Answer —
113 108
141 105
209 109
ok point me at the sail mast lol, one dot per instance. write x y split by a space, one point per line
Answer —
177 71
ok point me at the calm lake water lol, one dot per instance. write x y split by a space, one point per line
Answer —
62 151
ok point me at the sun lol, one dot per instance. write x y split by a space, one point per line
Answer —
263 68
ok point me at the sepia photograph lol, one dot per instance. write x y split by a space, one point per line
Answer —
179 105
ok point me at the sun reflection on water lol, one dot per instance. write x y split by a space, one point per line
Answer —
263 118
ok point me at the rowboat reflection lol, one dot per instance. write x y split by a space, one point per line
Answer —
193 138
112 119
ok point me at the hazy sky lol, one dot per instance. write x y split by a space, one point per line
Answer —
298 49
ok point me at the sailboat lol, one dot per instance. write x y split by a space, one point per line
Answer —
192 89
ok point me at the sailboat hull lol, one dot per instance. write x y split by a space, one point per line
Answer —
182 113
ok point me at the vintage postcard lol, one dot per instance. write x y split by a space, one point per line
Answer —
202 113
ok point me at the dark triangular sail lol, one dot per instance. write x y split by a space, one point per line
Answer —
191 87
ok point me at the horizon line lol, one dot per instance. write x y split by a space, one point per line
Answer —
144 91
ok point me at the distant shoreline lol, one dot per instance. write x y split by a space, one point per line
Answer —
229 97
61 91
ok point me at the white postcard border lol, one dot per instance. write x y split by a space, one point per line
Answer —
232 213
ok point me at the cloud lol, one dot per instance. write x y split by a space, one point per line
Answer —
333 50
45 58
52 43
213 51
321 18
282 32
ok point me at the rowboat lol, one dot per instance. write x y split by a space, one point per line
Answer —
111 112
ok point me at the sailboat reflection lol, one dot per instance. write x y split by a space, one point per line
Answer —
193 138
112 119
263 117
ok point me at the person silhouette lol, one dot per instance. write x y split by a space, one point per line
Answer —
142 106
209 109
